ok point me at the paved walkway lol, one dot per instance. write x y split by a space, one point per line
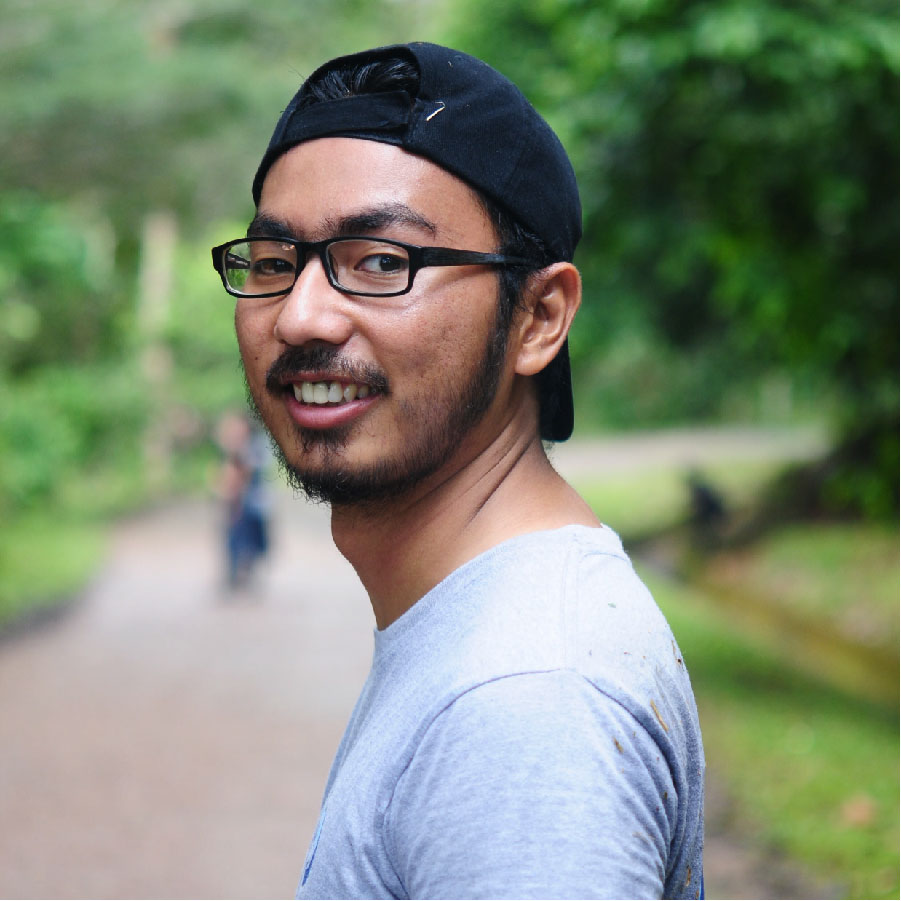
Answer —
164 740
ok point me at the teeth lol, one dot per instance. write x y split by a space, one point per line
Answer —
328 392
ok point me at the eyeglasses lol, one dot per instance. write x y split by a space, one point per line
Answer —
371 267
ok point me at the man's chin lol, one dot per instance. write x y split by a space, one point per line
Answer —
321 489
335 481
340 486
321 476
318 469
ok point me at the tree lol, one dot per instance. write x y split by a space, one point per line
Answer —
135 106
129 134
738 162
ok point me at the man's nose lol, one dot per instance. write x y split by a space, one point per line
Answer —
313 310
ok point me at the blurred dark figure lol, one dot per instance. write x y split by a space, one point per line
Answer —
242 488
708 509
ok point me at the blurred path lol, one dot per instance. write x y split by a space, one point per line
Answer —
163 740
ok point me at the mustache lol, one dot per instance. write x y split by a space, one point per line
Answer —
329 359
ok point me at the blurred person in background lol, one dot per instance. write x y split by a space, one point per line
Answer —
242 489
404 295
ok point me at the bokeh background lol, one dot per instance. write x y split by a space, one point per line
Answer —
738 341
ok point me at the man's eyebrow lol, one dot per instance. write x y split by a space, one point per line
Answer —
363 222
264 226
380 217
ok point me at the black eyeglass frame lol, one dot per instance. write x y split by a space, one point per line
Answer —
419 258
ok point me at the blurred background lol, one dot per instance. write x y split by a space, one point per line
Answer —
736 369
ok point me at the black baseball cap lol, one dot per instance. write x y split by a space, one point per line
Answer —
472 121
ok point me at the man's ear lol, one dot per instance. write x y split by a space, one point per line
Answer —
551 301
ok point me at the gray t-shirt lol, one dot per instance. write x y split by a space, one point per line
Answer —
527 730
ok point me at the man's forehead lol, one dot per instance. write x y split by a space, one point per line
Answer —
348 185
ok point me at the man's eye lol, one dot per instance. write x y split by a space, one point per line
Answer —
269 266
382 264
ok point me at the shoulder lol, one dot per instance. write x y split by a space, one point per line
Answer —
567 599
537 784
564 599
555 714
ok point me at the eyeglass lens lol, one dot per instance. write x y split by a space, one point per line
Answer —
263 266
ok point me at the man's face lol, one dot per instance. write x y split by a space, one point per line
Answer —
419 374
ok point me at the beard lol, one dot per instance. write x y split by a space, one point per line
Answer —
442 425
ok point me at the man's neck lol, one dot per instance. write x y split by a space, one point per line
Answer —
404 548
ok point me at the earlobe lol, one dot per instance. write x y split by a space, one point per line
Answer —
552 301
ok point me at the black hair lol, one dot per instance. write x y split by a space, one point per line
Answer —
390 74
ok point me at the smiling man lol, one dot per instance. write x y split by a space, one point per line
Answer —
405 292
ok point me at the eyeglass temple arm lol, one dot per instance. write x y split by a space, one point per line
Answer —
444 256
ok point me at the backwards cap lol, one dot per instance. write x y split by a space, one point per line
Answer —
472 121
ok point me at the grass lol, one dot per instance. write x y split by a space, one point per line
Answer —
642 502
843 572
44 560
813 771
48 556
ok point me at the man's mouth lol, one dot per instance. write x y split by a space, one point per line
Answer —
329 393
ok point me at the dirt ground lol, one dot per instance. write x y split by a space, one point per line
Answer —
164 739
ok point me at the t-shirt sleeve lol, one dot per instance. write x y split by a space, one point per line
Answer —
533 786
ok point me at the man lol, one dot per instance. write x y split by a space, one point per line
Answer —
405 292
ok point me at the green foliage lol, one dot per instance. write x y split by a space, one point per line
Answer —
738 165
62 422
814 772
114 110
32 579
137 106
864 473
56 293
843 573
